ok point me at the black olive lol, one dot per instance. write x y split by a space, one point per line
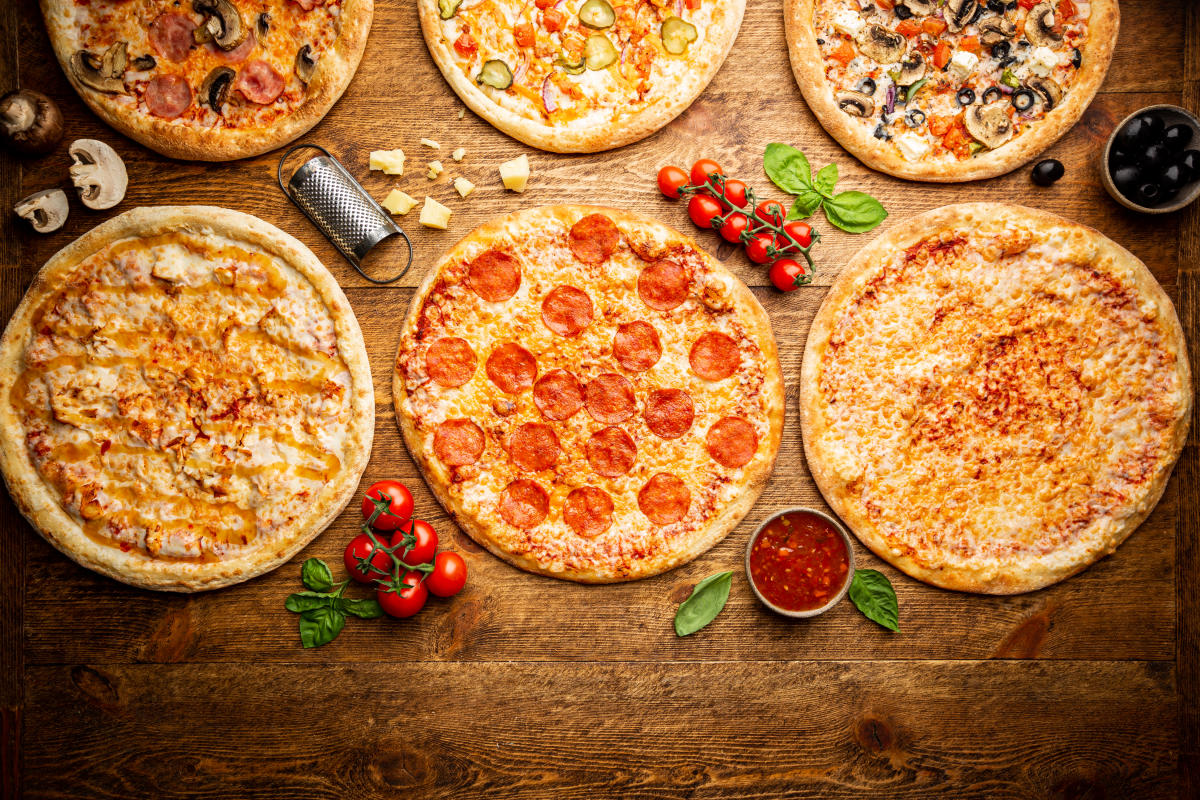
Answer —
1127 179
996 6
1048 172
914 118
1149 194
1118 157
1190 161
992 94
1012 5
1023 43
1076 58
965 96
1173 178
1005 62
1023 99
975 17
820 41
866 86
1136 132
902 12
881 132
1155 158
1154 127
1001 49
1177 137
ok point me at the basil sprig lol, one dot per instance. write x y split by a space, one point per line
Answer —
872 592
702 606
322 608
788 168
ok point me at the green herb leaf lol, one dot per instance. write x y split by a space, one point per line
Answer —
854 212
872 592
912 90
706 601
787 168
306 601
827 179
806 205
316 575
320 626
367 608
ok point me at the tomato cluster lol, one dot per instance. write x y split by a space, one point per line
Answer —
405 567
728 206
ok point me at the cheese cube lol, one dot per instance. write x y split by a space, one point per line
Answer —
390 161
912 145
459 154
463 186
1042 60
515 173
435 215
431 143
847 22
398 202
435 169
963 62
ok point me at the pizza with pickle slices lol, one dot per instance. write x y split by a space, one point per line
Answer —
588 393
949 90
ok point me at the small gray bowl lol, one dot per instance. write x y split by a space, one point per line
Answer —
837 598
1171 115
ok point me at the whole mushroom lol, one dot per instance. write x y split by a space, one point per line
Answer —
46 210
98 173
30 122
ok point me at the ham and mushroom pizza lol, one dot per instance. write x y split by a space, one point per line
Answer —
588 393
949 90
211 80
579 75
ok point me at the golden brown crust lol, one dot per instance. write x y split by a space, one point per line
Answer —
982 576
39 504
808 66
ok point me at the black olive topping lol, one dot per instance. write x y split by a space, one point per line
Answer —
1177 137
1012 5
1023 99
914 118
1157 157
1149 194
866 86
1004 62
1023 43
820 41
996 6
1126 179
881 132
1076 58
992 94
975 17
1001 49
902 12
965 96
1173 178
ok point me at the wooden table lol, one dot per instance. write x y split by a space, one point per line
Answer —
526 687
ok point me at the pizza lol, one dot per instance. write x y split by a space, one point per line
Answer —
949 90
211 80
993 397
185 400
589 394
579 75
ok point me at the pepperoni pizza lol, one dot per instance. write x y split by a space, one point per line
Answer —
590 395
212 80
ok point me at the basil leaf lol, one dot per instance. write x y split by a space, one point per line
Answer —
320 626
706 601
316 575
872 592
305 601
854 212
806 205
787 168
367 608
827 179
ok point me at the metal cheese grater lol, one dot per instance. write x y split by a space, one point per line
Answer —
340 208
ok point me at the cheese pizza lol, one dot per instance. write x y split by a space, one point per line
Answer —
993 398
185 400
949 91
588 393
212 80
579 75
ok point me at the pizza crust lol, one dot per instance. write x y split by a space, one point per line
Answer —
334 71
37 502
809 68
754 475
986 577
585 138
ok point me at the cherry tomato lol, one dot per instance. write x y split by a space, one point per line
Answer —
702 169
734 227
756 248
449 574
770 211
670 180
408 600
400 504
424 548
799 230
361 547
735 193
703 209
783 274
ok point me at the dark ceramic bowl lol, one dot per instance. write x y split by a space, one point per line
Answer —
1170 115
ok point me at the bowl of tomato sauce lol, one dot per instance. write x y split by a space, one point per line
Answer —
800 562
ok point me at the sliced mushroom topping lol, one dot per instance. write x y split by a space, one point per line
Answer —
990 125
912 69
98 173
856 104
114 60
877 42
144 63
1040 26
215 88
46 210
98 72
223 22
306 64
1048 90
264 24
959 13
921 8
994 30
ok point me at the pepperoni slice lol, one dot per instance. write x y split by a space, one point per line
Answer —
524 503
669 413
168 96
610 398
664 499
494 276
636 346
732 442
450 362
171 36
512 368
664 285
594 238
588 511
611 452
533 447
558 395
567 310
714 356
259 82
458 442
238 54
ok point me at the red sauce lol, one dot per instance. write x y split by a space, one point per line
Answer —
799 561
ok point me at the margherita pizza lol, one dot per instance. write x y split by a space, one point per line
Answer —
590 395
185 400
992 397
579 75
954 90
211 80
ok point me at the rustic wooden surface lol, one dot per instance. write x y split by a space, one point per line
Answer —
525 687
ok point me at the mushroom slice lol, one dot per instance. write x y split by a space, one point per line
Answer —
1048 90
959 13
856 104
994 30
100 73
881 44
990 125
921 8
224 22
144 63
46 210
98 173
1040 26
912 69
215 88
306 64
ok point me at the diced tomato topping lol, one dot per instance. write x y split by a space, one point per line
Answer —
933 26
941 55
465 45
1067 9
970 44
909 27
844 54
554 20
886 5
1028 4
692 4
543 4
956 139
523 34
939 125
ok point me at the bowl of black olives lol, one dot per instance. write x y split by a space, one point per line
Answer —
1152 160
